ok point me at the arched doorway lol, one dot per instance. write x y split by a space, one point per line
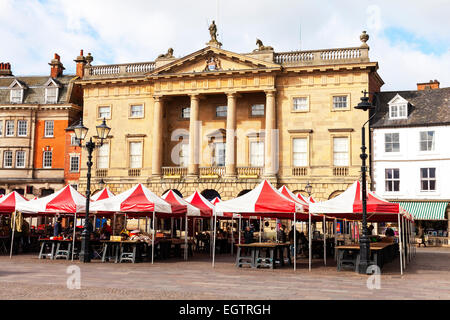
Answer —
243 192
177 192
210 194
334 194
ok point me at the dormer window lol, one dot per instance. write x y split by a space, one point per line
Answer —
16 95
398 108
16 92
51 95
51 91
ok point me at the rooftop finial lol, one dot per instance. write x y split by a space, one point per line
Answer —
364 37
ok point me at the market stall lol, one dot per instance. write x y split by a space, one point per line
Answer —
139 201
65 201
8 206
348 205
263 201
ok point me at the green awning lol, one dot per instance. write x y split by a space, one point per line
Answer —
425 210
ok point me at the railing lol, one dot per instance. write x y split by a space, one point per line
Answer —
327 56
134 172
249 172
174 172
340 171
299 171
211 172
117 70
101 173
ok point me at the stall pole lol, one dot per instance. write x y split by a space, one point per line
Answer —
335 238
260 229
239 234
153 236
171 227
13 216
186 238
211 249
295 241
73 236
214 240
402 233
310 240
146 224
232 234
324 242
400 245
114 224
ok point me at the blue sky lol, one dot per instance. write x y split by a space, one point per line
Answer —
409 39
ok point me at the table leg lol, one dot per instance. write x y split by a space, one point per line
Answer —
42 249
53 251
105 249
238 255
272 260
134 252
69 250
253 263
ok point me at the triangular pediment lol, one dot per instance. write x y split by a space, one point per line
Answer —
210 60
16 84
52 83
398 99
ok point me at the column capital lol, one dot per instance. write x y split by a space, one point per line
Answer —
270 92
158 97
232 94
194 96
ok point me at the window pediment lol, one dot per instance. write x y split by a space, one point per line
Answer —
398 108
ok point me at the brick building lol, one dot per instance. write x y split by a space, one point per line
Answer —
34 113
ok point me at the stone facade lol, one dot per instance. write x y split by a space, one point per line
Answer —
213 77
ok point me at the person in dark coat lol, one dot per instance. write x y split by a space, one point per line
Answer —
57 229
281 234
248 235
291 239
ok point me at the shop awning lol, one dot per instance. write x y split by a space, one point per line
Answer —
424 210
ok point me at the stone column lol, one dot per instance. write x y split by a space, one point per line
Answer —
230 152
270 156
157 151
194 136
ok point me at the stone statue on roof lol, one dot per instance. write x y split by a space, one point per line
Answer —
213 33
169 54
261 46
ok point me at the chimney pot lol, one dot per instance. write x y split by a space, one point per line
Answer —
5 69
56 67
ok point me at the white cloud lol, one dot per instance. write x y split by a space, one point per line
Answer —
118 31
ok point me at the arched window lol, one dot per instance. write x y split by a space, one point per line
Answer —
210 194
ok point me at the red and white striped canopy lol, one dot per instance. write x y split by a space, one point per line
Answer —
9 202
66 200
178 203
138 200
102 194
199 201
216 200
264 200
349 205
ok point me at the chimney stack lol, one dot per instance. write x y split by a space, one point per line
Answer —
81 62
5 69
428 85
56 67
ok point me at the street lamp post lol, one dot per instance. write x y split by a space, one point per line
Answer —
364 241
80 134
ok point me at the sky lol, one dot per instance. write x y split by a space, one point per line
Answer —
410 39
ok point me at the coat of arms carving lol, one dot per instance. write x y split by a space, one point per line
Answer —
212 64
